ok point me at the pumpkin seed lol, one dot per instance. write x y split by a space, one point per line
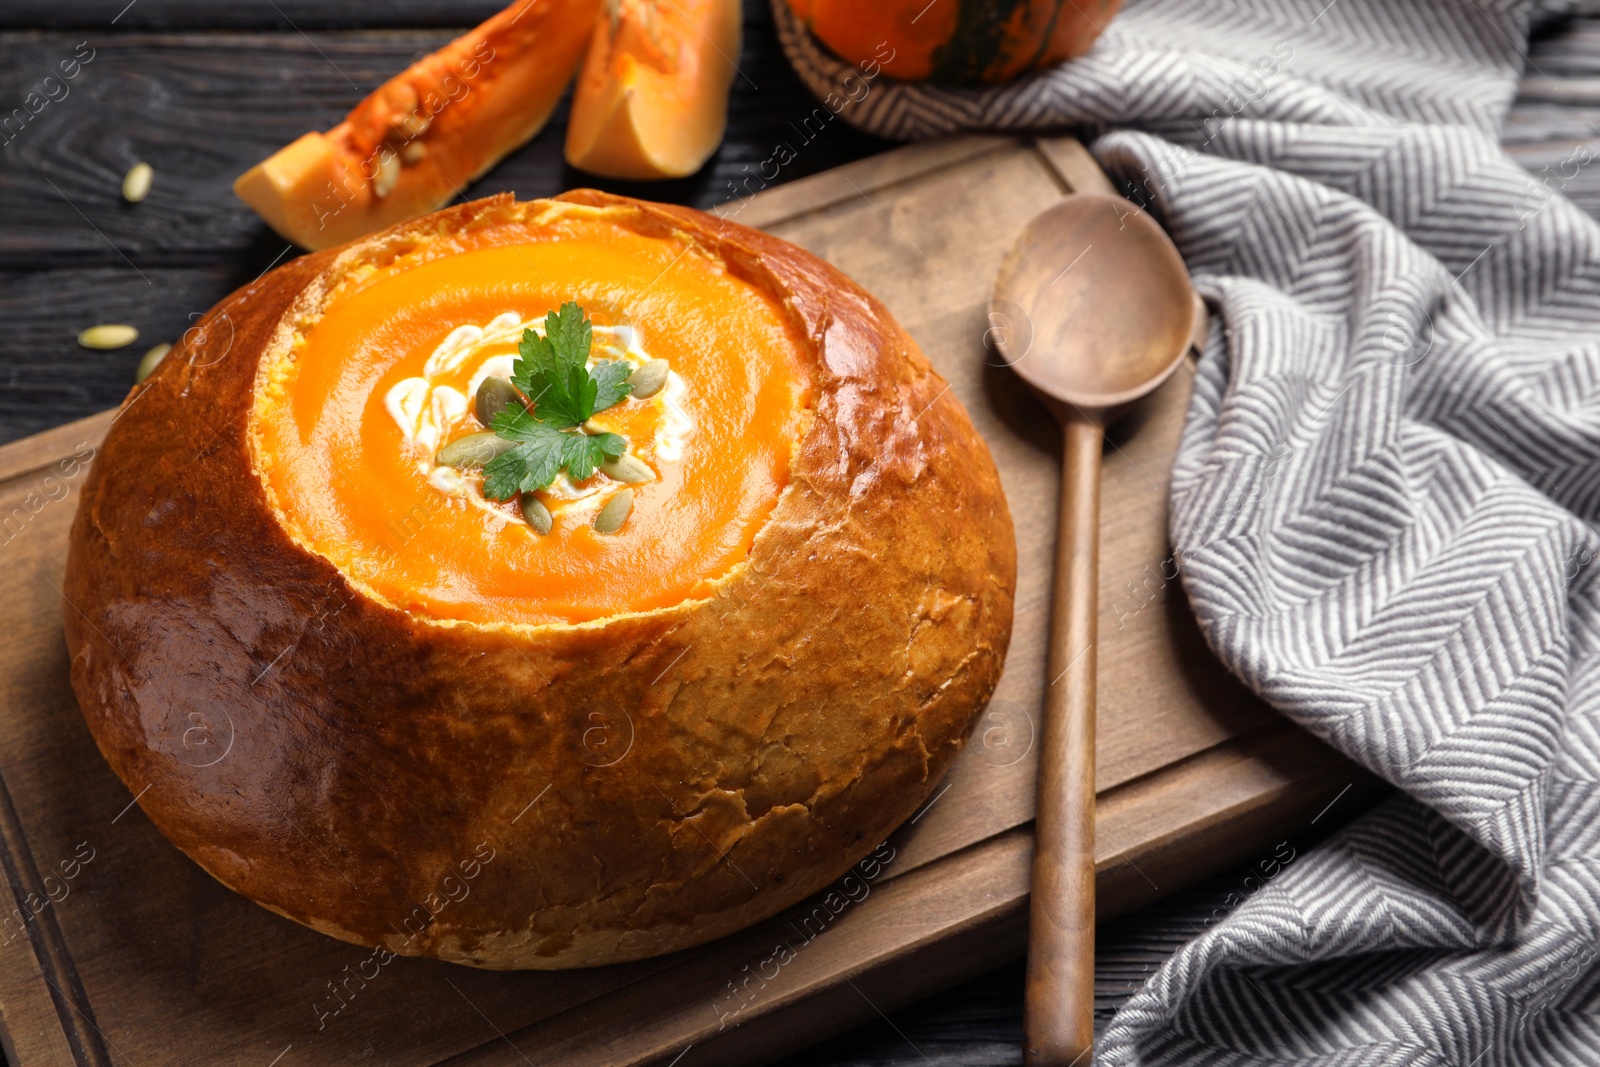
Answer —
615 513
495 394
630 469
150 361
473 450
537 515
388 174
648 378
136 183
111 335
409 126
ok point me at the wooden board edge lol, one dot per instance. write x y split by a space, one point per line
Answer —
1073 165
777 204
29 454
45 1014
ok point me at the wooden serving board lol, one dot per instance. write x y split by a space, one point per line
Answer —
116 949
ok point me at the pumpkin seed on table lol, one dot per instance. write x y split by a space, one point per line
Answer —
136 183
473 450
615 513
626 468
152 359
495 394
648 378
109 336
537 515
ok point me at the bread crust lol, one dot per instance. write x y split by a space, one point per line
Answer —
552 796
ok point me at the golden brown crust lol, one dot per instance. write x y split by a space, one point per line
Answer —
559 796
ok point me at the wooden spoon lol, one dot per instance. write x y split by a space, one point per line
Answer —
1102 311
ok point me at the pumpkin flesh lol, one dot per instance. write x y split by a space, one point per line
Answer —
652 100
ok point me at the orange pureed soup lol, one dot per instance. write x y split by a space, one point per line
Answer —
347 432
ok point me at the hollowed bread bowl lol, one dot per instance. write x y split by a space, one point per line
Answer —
404 718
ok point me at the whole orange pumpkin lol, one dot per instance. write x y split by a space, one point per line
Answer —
960 42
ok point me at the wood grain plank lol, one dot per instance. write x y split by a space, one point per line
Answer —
42 1005
202 108
193 15
1074 165
34 891
780 203
45 449
43 371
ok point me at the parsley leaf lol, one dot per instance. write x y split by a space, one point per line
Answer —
540 453
611 379
562 393
554 370
569 332
532 463
584 453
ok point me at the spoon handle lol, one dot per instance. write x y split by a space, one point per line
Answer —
1059 1004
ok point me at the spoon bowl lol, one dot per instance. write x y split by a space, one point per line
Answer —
1110 314
1108 299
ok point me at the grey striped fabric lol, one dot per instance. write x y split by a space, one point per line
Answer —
1383 507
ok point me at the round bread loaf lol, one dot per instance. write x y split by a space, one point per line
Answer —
446 734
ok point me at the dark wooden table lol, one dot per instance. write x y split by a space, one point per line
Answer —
201 89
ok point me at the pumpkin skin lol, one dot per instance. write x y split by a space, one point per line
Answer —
957 42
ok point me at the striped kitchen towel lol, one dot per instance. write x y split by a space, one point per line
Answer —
1384 507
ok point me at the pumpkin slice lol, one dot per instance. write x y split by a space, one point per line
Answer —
652 101
423 135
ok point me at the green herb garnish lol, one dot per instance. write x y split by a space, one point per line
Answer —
541 452
554 372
